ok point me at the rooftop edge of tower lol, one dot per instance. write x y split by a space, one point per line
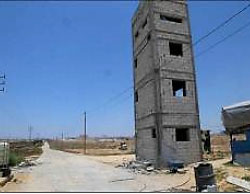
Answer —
145 3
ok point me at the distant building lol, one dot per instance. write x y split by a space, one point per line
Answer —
166 107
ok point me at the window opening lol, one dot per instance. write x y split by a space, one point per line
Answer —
153 133
170 19
182 134
175 49
179 88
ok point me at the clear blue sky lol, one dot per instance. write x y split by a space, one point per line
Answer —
62 58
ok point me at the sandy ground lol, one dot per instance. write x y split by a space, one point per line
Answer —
61 171
221 170
114 160
66 172
100 152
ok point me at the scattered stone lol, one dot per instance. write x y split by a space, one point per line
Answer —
240 190
119 166
150 168
4 180
22 164
17 181
146 167
142 167
157 171
27 163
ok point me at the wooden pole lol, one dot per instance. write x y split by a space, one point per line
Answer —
85 132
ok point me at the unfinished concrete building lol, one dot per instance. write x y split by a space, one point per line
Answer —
166 107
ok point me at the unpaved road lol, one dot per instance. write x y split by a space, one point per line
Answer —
65 172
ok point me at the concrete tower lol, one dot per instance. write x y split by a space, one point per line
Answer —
166 106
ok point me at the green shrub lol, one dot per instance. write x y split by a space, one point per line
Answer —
247 178
15 159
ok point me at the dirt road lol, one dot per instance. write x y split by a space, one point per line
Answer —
65 172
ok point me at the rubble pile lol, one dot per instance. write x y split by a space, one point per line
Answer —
146 167
143 167
28 163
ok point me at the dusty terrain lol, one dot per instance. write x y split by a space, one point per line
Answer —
62 171
94 147
23 149
219 157
99 171
114 160
222 169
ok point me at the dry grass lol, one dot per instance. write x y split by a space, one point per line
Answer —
220 151
94 146
26 148
19 150
220 147
220 143
114 160
246 178
220 174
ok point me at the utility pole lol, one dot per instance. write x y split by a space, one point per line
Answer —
62 141
85 132
30 129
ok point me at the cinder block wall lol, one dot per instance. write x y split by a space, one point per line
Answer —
160 115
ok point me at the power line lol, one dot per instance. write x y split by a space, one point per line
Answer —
215 29
194 44
122 101
221 25
224 39
111 99
85 118
221 41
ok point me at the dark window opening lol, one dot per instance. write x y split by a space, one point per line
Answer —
170 19
175 49
136 97
153 133
182 134
135 63
179 88
136 34
149 37
144 24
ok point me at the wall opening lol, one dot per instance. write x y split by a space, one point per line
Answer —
175 49
170 19
135 63
145 23
153 133
136 96
179 88
182 134
136 34
149 37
